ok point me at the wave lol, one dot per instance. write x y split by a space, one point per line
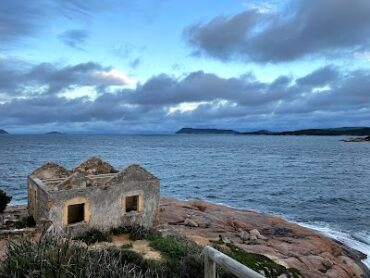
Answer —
359 241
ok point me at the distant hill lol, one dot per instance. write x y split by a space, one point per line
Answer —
356 131
54 133
205 131
2 131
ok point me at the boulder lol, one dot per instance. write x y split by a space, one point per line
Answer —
190 223
256 233
244 235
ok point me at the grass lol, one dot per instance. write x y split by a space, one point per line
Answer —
134 232
181 258
93 236
50 258
127 246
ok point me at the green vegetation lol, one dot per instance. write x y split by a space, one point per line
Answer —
181 258
59 258
4 200
257 262
93 236
134 232
25 222
127 246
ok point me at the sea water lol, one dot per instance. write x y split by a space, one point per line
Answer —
320 182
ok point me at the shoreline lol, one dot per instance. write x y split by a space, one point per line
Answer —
313 251
287 243
345 238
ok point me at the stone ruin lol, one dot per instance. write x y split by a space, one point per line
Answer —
92 195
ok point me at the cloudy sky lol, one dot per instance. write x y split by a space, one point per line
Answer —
128 66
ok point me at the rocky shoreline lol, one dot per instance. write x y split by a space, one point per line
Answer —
286 243
357 139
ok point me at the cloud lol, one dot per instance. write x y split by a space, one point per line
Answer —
326 97
74 38
19 78
320 77
135 63
18 19
24 19
304 28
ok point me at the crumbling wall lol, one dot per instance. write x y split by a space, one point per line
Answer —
32 197
38 200
51 170
103 202
44 204
95 166
105 206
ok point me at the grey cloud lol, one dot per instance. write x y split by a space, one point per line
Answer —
200 86
314 27
74 38
135 63
23 19
19 18
240 102
320 77
46 78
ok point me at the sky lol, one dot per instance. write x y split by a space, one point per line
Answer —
155 66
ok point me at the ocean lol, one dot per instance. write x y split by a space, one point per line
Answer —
318 182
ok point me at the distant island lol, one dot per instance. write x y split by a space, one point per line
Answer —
54 133
356 131
205 131
2 131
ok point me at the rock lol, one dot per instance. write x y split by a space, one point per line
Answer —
224 239
257 234
289 244
202 206
190 223
244 235
253 237
236 224
357 139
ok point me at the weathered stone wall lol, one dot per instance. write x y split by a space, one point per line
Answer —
42 204
32 197
37 200
105 206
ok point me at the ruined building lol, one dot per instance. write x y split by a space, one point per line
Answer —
93 195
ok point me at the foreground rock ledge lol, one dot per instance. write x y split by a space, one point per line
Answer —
286 243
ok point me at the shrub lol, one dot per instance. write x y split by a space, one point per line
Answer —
192 267
127 246
25 222
135 232
182 257
4 200
93 236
